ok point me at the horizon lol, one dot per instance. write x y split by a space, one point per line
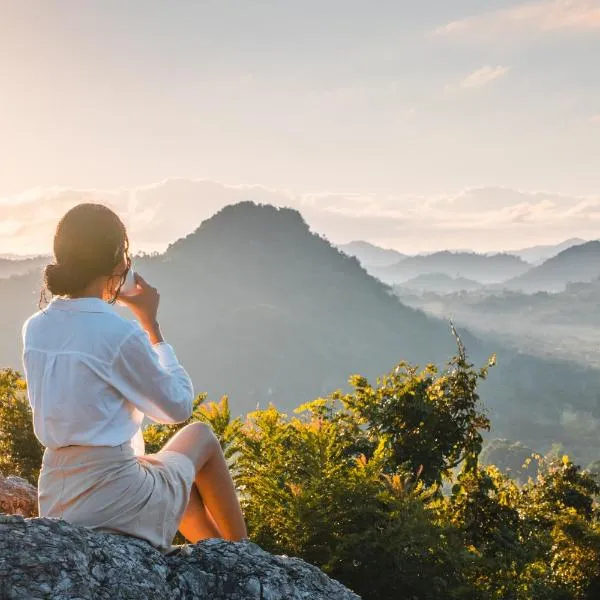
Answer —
418 127
156 215
162 248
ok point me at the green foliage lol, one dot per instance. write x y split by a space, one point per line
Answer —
383 489
20 451
217 415
431 422
305 493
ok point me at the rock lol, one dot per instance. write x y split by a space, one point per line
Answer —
52 559
18 497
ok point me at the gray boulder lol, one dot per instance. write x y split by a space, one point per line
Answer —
52 559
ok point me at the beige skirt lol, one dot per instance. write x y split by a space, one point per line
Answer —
109 488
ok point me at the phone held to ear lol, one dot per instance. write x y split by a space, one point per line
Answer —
129 286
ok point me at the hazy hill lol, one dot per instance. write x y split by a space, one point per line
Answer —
576 264
369 255
538 254
268 310
20 266
469 265
439 282
260 308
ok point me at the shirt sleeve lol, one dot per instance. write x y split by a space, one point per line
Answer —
151 378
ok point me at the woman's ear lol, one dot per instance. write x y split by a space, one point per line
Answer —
121 266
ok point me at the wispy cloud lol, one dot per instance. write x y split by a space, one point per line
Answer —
483 76
480 218
530 18
477 79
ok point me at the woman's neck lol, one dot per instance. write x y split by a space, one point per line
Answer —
96 289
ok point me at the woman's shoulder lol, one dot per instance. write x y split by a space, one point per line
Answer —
100 322
117 327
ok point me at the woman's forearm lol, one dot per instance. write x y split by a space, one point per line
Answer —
154 333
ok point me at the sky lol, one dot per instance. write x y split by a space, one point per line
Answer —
414 125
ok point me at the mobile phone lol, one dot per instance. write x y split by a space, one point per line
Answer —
129 286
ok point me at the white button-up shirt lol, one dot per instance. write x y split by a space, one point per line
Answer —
92 375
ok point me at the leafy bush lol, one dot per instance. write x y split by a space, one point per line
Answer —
20 451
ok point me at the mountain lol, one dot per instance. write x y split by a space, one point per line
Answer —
20 266
439 282
477 267
261 309
575 264
538 254
369 255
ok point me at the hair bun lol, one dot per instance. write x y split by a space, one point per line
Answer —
62 280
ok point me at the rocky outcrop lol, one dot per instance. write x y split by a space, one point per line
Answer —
18 497
52 559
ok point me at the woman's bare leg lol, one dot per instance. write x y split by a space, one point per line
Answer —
216 490
197 523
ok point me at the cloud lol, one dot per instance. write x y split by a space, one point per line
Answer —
158 214
595 119
527 19
477 79
483 76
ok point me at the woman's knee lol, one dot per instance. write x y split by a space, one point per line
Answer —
200 431
200 442
196 440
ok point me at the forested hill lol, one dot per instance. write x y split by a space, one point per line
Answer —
260 308
263 309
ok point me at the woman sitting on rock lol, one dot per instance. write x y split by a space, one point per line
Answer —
92 376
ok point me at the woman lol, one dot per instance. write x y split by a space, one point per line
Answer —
92 376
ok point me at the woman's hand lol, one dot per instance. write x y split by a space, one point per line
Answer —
144 305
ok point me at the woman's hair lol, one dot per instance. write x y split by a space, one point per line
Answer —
89 242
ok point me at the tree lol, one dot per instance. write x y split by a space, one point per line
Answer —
20 451
431 421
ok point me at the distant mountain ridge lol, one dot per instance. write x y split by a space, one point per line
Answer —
468 265
538 254
575 264
370 255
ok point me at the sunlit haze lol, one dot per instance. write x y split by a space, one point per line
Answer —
413 125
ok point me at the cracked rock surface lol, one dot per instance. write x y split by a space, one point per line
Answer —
52 559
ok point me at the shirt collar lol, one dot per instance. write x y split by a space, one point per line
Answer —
87 304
